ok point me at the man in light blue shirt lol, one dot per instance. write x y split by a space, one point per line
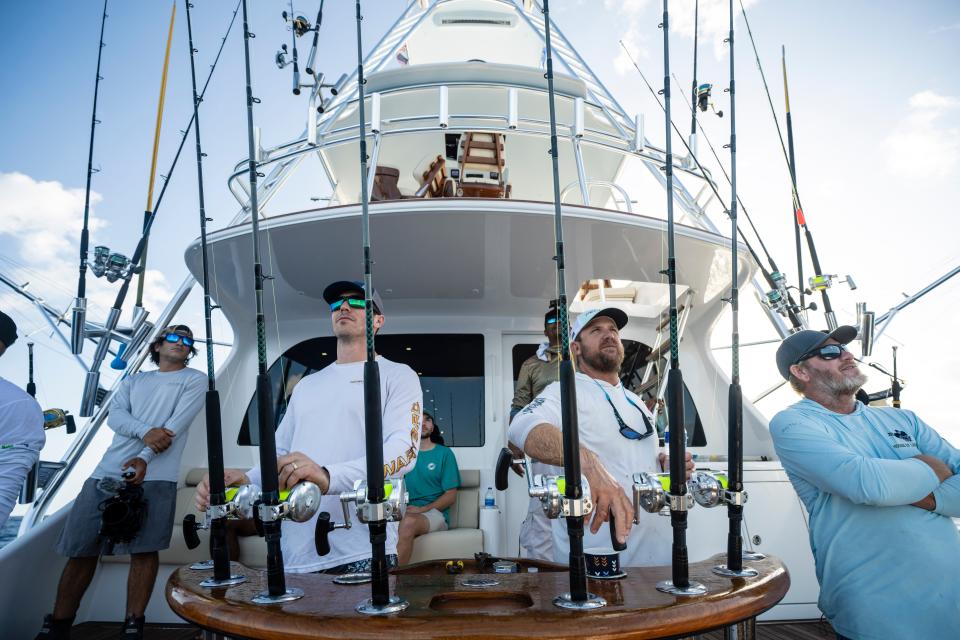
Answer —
881 490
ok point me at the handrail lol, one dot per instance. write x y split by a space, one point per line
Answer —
591 182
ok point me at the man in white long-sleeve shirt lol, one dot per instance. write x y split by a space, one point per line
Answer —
21 430
321 437
149 414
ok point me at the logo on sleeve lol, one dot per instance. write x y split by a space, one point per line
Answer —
530 408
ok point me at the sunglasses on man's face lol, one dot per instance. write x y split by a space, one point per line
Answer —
551 321
354 303
174 338
826 352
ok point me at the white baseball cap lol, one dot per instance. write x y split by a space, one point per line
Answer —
618 316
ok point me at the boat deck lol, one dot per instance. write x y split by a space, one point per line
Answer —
817 630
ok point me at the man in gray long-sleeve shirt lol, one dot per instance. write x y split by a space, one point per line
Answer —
149 414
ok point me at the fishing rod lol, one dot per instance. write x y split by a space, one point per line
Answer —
734 495
153 162
577 597
124 269
380 599
277 590
31 385
219 551
680 583
91 384
819 282
293 37
310 67
80 303
778 298
897 387
693 89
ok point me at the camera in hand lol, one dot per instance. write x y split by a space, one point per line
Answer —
122 514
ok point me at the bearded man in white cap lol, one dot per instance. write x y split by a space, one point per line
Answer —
617 439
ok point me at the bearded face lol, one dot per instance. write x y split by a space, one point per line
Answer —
599 347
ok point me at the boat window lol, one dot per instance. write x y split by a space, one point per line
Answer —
636 357
450 367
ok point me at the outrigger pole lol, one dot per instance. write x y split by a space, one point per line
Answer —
80 304
268 514
380 599
734 495
578 597
139 327
680 582
219 552
819 281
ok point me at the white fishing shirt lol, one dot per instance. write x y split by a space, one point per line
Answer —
325 422
649 542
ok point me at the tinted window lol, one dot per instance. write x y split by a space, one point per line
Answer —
450 367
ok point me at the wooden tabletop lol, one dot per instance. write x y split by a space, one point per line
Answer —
442 606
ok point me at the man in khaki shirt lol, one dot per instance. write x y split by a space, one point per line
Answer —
540 369
536 372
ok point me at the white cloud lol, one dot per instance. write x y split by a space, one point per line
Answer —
713 23
43 219
947 27
631 11
922 144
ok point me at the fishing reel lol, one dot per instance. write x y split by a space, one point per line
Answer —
551 491
651 493
53 418
778 299
113 266
825 281
239 506
392 509
704 99
299 24
299 504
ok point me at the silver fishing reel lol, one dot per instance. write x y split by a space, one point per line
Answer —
392 509
111 265
299 504
651 493
550 490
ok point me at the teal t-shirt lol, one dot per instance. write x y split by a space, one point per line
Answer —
435 473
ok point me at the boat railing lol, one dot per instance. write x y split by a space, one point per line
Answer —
507 121
585 189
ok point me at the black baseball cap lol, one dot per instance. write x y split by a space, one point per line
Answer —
799 344
8 330
335 291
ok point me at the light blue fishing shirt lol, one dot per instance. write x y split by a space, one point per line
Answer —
886 569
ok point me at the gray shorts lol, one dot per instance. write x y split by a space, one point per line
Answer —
80 537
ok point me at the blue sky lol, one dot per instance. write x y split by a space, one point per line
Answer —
874 91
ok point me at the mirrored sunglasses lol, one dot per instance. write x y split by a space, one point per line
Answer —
174 338
354 303
826 352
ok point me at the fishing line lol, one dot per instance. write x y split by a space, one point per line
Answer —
790 309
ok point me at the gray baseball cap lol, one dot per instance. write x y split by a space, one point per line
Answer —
8 330
335 291
799 344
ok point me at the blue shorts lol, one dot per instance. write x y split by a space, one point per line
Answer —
80 537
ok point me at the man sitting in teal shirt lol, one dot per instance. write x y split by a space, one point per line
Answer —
432 487
881 489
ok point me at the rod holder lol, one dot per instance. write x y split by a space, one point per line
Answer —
637 144
578 117
867 323
77 325
444 107
375 122
88 402
513 110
